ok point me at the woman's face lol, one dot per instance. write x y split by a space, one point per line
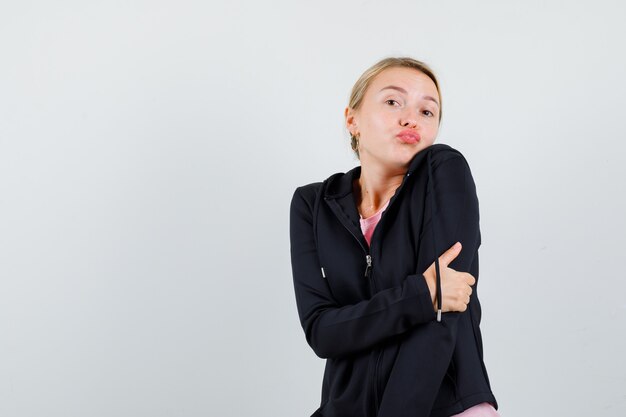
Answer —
398 117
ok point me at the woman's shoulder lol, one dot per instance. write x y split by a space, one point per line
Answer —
310 189
441 152
451 172
335 185
436 156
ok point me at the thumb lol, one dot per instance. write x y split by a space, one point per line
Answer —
449 255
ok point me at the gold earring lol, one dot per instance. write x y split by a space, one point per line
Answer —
354 142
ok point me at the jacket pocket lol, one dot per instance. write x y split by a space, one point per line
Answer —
448 392
451 375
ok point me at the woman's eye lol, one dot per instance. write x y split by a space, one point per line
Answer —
428 113
390 101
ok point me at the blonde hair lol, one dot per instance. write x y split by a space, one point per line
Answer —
360 87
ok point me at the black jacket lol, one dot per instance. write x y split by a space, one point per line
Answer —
368 310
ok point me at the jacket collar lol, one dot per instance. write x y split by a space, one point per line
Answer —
340 184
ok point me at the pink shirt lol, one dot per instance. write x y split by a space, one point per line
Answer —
480 410
368 224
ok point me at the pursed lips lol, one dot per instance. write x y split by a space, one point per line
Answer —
409 136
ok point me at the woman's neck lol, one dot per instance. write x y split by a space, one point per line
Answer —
374 188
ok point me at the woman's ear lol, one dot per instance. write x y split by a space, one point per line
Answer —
350 117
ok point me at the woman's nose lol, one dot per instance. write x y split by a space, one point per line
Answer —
409 119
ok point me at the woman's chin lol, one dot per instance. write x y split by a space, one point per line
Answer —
405 155
398 159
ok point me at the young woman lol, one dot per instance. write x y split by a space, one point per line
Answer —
385 260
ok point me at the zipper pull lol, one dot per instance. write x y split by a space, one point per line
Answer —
368 258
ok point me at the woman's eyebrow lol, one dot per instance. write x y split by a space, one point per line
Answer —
402 90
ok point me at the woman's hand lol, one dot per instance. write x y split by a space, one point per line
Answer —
455 286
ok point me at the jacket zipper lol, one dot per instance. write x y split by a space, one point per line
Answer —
368 272
368 259
368 264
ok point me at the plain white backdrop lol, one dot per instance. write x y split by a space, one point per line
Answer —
149 151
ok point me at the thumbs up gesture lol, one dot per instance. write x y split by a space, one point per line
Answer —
456 287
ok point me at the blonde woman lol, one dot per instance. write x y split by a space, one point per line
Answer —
385 260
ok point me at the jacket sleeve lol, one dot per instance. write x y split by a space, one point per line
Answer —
334 330
429 348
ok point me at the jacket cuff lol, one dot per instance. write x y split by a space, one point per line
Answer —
425 303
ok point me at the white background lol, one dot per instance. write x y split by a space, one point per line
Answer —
149 151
